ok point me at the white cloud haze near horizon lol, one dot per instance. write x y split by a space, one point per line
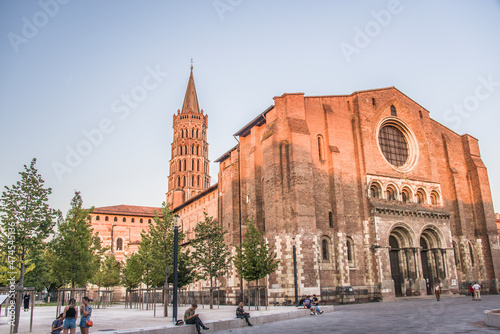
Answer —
89 88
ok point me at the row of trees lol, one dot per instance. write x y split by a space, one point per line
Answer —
42 249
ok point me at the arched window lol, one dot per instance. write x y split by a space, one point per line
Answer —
198 181
393 111
115 219
456 252
184 181
180 166
192 132
132 220
197 150
330 219
106 218
124 220
420 196
324 249
97 218
471 254
185 149
405 195
390 193
149 221
350 251
434 198
198 165
119 244
196 133
178 181
184 163
192 181
320 148
375 190
140 221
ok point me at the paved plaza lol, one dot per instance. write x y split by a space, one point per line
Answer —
450 315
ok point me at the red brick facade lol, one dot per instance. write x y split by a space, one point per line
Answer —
313 168
376 194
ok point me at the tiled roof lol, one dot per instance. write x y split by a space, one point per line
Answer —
127 210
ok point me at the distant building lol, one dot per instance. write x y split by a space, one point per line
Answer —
120 227
377 195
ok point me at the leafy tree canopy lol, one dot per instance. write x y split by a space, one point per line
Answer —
255 259
77 250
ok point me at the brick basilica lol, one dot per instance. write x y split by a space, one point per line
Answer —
374 193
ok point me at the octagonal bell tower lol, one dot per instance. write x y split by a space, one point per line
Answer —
189 166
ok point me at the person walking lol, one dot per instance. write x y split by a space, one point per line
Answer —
70 314
437 291
26 299
240 313
57 324
86 311
471 289
477 291
191 318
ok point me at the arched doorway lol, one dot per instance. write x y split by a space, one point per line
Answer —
433 257
397 277
402 260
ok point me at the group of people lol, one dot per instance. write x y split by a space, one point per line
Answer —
475 290
67 319
192 318
310 304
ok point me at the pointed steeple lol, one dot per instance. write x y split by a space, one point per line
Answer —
190 100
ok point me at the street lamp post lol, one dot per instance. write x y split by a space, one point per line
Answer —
176 246
295 273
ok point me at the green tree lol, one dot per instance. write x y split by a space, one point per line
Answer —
156 253
255 259
26 222
77 250
108 274
211 255
39 276
132 273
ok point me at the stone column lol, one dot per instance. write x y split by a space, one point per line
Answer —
420 281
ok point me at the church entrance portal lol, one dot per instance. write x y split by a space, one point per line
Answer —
395 269
433 257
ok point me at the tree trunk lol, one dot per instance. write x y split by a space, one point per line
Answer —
165 299
99 296
211 293
257 294
20 293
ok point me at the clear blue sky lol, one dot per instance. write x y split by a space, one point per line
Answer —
65 70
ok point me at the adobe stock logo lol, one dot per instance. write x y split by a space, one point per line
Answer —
372 29
122 108
460 111
30 28
223 6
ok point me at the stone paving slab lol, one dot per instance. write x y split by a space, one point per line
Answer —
118 320
410 316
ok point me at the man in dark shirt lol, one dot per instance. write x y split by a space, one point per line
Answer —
191 318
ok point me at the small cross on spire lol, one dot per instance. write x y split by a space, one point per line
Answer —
191 64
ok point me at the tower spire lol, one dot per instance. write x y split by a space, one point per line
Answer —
189 167
190 99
